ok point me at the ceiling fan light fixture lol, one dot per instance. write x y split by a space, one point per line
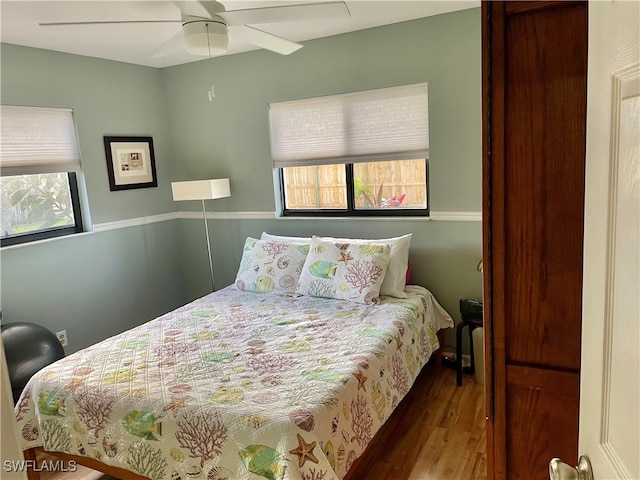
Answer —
207 38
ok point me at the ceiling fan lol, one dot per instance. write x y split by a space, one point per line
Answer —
205 25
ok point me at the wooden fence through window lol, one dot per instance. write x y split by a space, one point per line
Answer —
324 186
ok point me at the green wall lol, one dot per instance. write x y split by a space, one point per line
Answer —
98 284
108 98
93 285
230 136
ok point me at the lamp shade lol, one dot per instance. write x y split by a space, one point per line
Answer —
201 189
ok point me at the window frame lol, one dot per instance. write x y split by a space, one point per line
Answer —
43 140
54 232
351 211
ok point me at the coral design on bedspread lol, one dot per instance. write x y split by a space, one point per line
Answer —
237 385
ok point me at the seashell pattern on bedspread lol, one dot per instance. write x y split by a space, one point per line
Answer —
237 385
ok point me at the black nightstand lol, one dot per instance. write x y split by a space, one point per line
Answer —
471 312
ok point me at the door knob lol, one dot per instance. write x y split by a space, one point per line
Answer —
558 470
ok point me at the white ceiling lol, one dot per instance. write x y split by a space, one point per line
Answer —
136 43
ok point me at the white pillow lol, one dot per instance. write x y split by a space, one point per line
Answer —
345 271
396 276
271 266
268 236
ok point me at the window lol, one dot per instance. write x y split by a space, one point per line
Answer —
39 158
390 187
363 153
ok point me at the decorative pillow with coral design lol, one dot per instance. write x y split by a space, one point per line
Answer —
271 266
345 271
396 276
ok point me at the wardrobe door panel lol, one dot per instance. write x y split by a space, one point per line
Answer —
535 71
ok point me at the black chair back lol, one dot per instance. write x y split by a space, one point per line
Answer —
28 348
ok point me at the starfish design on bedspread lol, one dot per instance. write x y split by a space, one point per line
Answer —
75 383
361 379
176 404
304 451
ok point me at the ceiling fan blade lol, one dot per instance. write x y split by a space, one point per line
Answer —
286 13
266 40
204 8
104 22
174 44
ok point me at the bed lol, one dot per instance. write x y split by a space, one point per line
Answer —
239 384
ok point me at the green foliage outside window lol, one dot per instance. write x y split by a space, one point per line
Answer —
35 202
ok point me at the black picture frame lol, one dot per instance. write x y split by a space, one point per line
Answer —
131 162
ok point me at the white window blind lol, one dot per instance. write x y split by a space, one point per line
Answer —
374 125
37 140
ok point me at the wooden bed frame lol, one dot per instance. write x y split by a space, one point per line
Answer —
31 455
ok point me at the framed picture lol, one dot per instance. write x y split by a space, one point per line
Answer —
130 162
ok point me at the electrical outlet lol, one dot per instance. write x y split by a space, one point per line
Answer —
62 336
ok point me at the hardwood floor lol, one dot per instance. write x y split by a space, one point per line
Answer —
437 433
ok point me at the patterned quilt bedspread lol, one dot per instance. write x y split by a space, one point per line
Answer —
237 385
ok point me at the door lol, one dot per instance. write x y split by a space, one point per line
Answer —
534 139
610 369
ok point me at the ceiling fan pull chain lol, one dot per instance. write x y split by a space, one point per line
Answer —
210 93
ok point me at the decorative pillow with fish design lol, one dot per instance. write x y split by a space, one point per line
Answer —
345 271
271 266
395 278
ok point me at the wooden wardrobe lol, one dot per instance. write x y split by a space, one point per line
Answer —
534 131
